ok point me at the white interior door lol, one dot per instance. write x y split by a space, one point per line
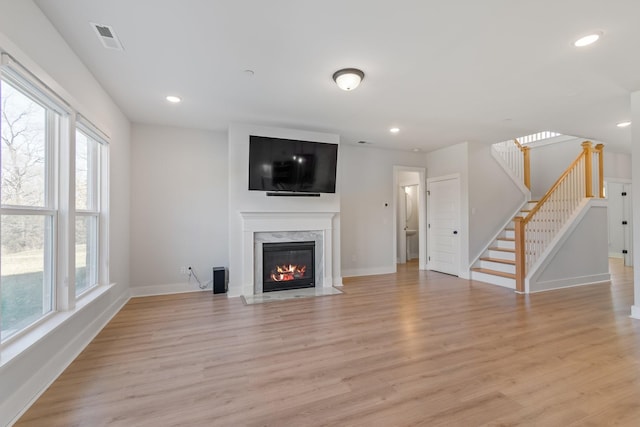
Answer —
444 225
619 218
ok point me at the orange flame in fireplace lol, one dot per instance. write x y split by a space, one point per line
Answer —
285 272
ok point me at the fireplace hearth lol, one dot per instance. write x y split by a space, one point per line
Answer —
288 265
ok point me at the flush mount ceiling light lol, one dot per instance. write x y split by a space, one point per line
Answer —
173 99
623 124
394 130
587 40
348 78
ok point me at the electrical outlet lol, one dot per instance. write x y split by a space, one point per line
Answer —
183 270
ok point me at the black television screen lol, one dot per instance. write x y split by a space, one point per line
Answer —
277 164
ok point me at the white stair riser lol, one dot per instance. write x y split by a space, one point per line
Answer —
498 266
505 244
494 280
511 256
510 234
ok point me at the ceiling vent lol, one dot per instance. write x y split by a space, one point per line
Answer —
107 36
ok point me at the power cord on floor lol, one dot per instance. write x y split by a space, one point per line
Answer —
192 272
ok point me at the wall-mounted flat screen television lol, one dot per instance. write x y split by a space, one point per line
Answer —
289 165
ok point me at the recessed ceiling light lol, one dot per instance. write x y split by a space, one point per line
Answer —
416 150
394 130
173 99
623 124
587 40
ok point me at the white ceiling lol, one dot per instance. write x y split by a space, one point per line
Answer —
444 71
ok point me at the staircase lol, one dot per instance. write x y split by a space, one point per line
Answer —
518 251
497 265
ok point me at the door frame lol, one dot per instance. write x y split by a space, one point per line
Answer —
628 234
422 215
458 256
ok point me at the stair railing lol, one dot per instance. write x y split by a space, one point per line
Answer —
535 231
517 159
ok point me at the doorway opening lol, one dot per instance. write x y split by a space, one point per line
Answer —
409 217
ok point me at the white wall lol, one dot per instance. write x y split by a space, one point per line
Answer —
367 207
242 200
549 161
635 172
448 161
493 198
617 165
29 37
179 209
581 257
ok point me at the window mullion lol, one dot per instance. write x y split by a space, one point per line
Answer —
65 274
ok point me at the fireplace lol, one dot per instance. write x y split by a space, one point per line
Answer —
288 265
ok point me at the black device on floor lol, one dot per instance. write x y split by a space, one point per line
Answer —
220 280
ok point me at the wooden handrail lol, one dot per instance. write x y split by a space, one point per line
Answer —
515 141
544 198
525 248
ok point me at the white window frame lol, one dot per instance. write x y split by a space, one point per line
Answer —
95 178
56 118
61 208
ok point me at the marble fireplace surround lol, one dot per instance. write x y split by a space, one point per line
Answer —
262 227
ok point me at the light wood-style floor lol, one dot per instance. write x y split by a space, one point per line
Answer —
412 348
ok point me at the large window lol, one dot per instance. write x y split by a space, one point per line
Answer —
88 149
30 131
52 238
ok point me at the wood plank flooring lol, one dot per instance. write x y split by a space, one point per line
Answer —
412 348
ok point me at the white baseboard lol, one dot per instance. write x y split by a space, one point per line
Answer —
352 272
569 282
165 289
635 312
20 400
337 281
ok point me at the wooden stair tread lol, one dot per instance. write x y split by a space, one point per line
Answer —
502 249
506 239
494 272
498 260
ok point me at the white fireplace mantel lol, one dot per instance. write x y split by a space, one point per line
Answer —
261 222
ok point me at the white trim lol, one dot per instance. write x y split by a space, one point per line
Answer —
573 282
18 55
373 271
422 215
618 180
517 181
635 312
552 140
165 289
563 234
22 398
255 222
500 230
